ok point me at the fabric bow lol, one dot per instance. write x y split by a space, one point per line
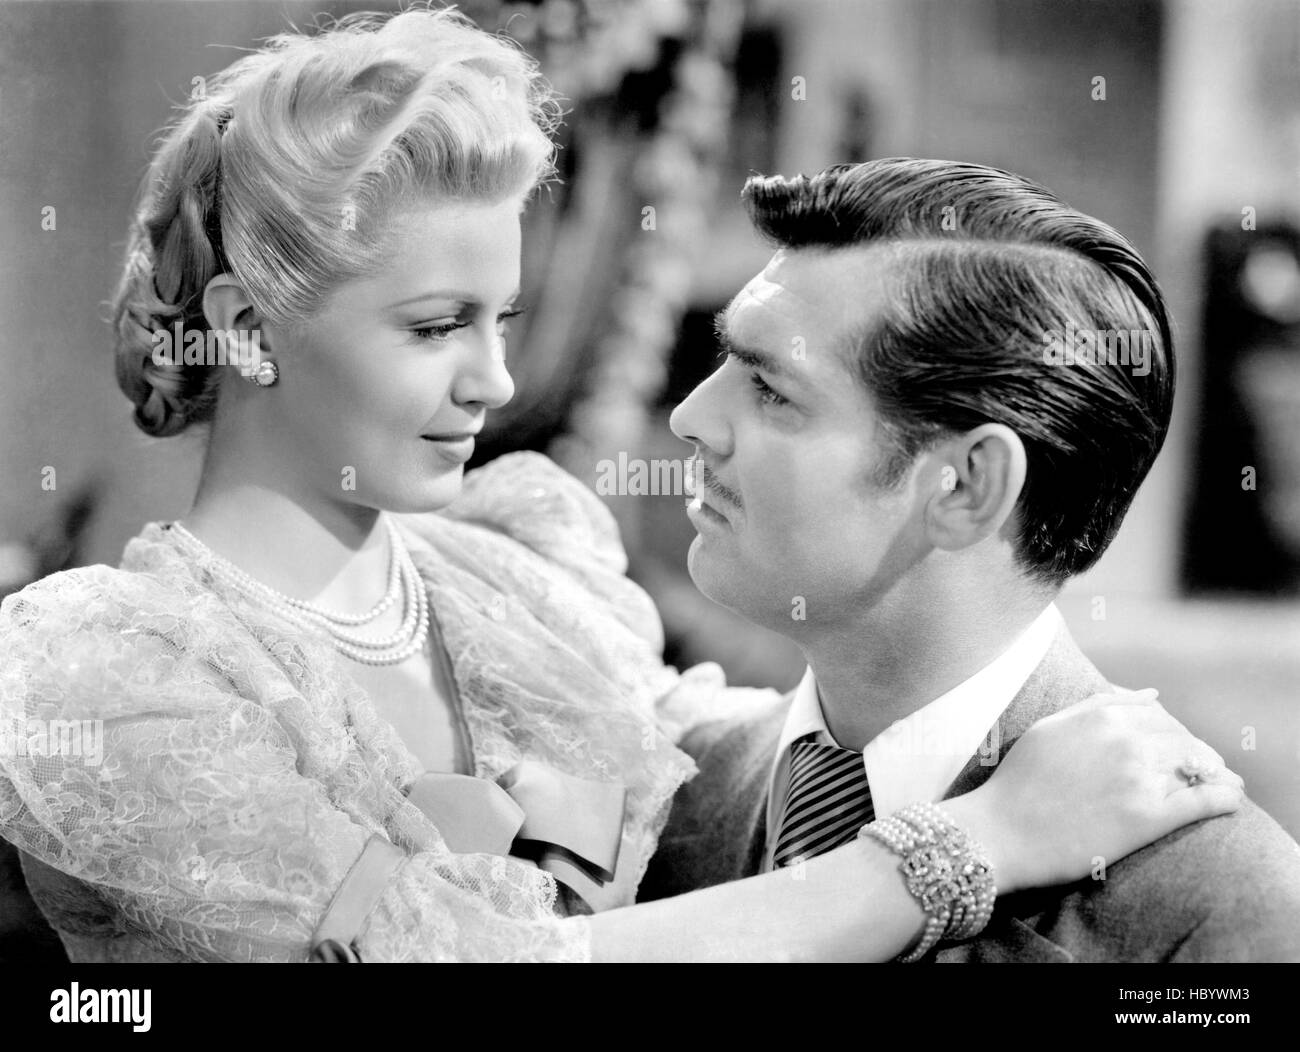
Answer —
571 827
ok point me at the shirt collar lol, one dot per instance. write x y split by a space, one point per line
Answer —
917 757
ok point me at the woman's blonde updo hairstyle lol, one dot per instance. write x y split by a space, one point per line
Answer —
283 176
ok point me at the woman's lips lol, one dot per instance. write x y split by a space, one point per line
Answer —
455 449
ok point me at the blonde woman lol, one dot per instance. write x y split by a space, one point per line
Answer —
358 704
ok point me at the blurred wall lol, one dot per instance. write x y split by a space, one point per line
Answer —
83 88
1200 118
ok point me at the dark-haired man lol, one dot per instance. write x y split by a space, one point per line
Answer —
899 468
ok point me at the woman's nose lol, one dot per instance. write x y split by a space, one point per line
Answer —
485 380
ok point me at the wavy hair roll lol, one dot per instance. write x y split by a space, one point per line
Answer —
284 173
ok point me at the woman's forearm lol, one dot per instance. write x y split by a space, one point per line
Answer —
849 904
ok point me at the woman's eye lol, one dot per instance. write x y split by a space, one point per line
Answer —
437 333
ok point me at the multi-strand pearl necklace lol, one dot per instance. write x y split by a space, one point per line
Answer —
403 580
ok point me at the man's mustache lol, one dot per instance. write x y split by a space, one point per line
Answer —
705 477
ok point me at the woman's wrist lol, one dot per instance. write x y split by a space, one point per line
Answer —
945 868
976 813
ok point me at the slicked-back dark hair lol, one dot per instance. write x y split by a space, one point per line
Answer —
984 265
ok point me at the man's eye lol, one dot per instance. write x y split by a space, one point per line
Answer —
503 319
766 395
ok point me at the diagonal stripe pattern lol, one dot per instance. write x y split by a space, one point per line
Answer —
827 802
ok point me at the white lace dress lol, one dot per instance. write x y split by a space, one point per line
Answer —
243 770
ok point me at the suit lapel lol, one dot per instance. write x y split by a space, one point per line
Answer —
748 806
727 802
1064 676
717 830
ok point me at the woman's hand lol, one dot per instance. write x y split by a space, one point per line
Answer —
1091 784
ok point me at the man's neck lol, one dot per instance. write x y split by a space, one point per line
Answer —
882 668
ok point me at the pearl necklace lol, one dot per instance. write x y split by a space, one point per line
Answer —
403 579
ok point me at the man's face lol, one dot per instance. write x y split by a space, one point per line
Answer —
791 527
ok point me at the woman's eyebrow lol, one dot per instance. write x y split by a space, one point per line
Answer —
464 299
437 294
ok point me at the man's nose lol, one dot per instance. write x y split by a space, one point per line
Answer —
700 418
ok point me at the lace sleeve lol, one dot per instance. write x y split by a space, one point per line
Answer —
178 800
530 498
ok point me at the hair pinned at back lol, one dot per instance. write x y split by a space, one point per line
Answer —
285 176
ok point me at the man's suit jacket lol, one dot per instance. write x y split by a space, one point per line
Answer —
1223 889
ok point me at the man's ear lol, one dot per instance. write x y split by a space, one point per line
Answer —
978 477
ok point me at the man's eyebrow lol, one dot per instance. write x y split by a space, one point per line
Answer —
750 356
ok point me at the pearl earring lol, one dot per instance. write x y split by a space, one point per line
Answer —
266 374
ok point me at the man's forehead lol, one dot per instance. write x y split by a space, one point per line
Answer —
829 290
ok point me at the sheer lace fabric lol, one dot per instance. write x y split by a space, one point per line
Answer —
243 770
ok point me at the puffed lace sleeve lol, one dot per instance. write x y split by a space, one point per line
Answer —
536 502
152 760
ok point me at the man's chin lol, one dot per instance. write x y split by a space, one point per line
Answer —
712 577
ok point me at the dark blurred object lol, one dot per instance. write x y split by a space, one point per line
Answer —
756 120
694 357
25 936
641 81
1243 528
58 547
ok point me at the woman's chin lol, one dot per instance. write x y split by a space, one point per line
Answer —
425 495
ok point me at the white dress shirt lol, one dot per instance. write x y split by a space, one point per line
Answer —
917 758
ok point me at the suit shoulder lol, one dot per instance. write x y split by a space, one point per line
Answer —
1246 845
740 735
1239 875
1221 889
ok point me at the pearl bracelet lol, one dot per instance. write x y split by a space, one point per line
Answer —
946 871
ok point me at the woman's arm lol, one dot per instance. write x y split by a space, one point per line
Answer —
199 823
847 905
1097 780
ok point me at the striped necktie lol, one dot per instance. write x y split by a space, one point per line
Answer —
827 802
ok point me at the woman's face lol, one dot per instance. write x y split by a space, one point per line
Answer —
383 389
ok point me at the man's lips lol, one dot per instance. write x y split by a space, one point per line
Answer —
700 485
699 501
705 516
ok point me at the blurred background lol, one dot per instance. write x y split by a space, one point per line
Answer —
1177 121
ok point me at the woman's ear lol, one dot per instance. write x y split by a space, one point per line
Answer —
231 313
977 480
226 305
